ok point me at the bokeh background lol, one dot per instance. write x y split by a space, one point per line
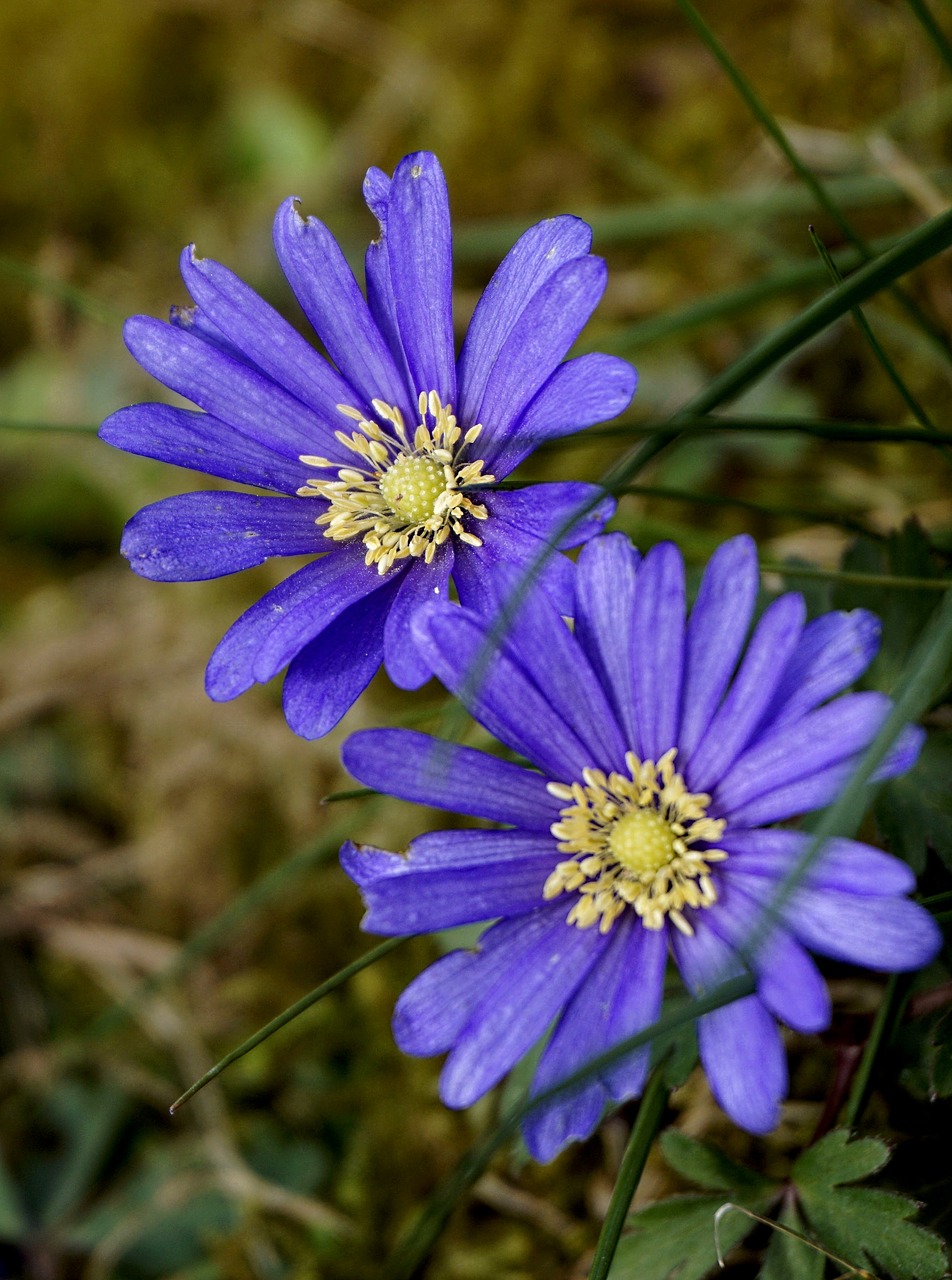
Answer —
168 874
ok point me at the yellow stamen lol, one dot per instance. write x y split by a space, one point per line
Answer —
631 843
408 495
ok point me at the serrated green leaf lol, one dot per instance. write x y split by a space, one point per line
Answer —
835 1160
915 810
707 1166
677 1235
868 1227
791 1259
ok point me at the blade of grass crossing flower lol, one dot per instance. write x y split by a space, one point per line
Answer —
933 31
293 1011
769 124
412 1252
912 404
863 579
643 1134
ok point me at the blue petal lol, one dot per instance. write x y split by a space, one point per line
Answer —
621 996
193 320
658 619
563 514
229 389
589 389
715 636
445 775
195 536
469 659
380 299
529 263
421 583
734 722
842 864
448 878
605 587
262 335
419 240
305 594
332 671
538 342
547 961
330 297
200 442
834 650
885 934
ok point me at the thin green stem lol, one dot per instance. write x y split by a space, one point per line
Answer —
289 1014
862 579
820 428
643 1134
933 31
880 1033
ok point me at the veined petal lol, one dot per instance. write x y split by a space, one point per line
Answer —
445 775
479 571
263 336
538 341
715 636
589 389
193 320
842 864
734 722
419 242
884 934
189 438
485 674
529 263
563 514
421 583
196 536
605 587
380 299
658 613
548 961
330 673
330 297
834 650
229 389
448 878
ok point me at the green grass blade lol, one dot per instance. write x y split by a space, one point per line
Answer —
821 428
933 31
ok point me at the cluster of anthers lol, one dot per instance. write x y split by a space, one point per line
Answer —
409 495
631 840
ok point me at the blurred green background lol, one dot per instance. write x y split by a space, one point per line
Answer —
151 837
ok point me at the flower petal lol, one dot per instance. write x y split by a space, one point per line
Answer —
563 514
620 996
538 341
445 775
735 720
195 536
380 299
884 934
589 389
330 297
262 335
658 613
188 438
479 571
834 650
605 588
330 673
842 864
745 1063
422 582
448 878
419 240
229 389
529 263
484 673
548 961
715 636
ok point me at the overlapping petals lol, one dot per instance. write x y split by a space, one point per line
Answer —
757 716
268 398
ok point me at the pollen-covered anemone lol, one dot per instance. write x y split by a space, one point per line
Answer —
664 748
384 453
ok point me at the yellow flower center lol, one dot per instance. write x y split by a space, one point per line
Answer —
409 493
631 840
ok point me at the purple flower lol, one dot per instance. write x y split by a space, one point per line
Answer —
664 749
383 457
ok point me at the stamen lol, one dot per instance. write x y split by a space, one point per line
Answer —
406 498
630 841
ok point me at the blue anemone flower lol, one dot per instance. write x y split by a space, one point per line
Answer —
383 455
663 749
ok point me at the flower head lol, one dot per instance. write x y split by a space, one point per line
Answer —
664 747
383 455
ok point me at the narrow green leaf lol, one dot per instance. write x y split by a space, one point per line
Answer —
933 31
13 1219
